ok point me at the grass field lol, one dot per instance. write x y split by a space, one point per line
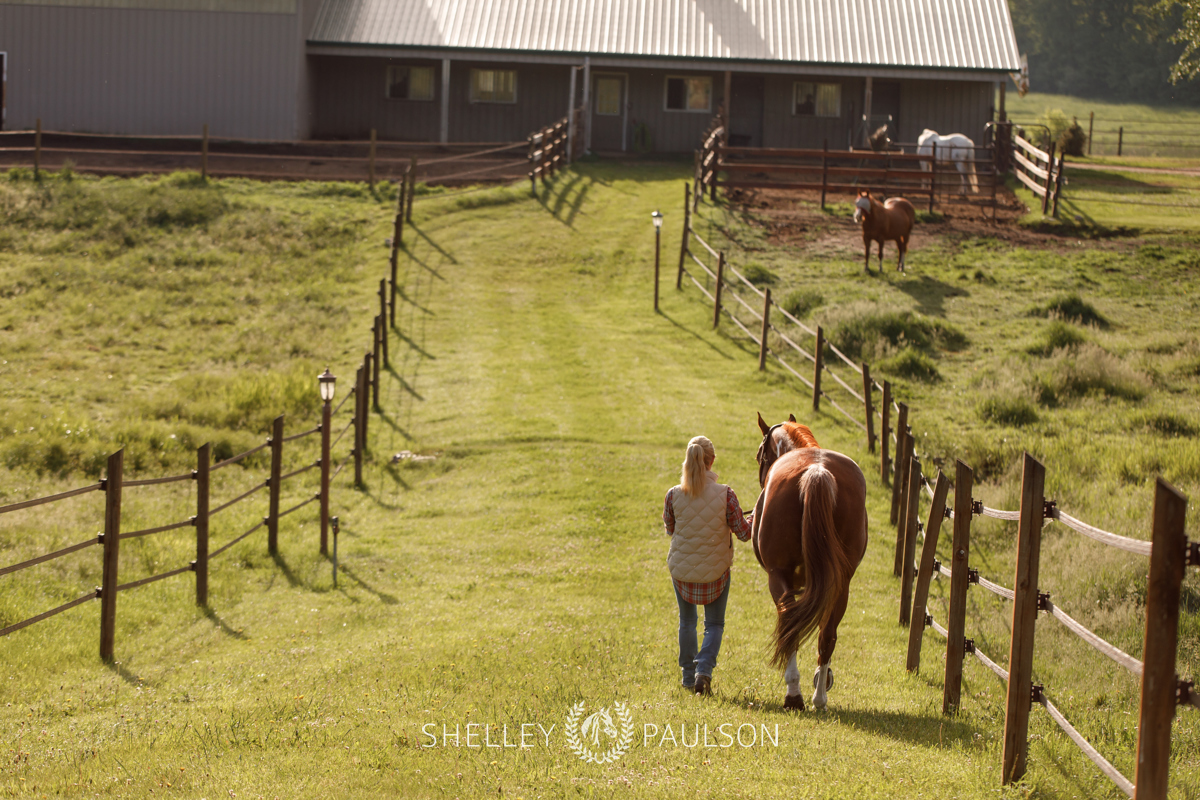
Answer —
520 571
1150 132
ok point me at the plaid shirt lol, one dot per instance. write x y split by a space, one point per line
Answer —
701 594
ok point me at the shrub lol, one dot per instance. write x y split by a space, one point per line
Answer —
1058 335
1072 308
1072 141
1165 423
1007 410
930 216
869 334
1088 371
910 363
800 302
758 274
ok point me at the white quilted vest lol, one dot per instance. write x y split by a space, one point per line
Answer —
702 545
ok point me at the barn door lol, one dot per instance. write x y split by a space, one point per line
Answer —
608 111
746 111
885 107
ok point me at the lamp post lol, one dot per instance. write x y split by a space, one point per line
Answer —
658 219
326 381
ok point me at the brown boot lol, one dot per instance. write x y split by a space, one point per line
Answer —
704 685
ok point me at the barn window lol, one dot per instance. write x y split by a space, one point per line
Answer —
410 83
817 99
689 94
493 86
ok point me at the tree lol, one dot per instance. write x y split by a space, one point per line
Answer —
1188 34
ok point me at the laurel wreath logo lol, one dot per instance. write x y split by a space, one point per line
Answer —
579 748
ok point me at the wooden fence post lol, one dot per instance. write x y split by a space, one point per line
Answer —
933 527
687 229
717 290
204 153
275 485
1091 122
360 390
203 463
392 301
1058 182
956 616
112 538
911 513
1120 138
711 176
368 385
903 461
885 434
371 162
818 366
1024 620
897 485
1049 181
412 189
37 150
868 408
696 181
1159 681
398 222
824 172
933 177
383 328
326 423
375 360
766 328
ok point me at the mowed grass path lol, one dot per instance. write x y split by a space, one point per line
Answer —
518 573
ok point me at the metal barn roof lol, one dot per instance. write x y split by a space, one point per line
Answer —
956 34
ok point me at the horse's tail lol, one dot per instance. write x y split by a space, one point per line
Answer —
827 567
971 174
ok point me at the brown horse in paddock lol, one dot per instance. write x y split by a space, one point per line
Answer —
809 534
889 221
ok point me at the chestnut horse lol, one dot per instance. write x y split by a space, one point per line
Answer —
889 221
809 534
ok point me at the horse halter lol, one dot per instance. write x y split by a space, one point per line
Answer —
765 457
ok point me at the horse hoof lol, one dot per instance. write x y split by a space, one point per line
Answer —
794 701
828 678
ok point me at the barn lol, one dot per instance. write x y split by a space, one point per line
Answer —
649 73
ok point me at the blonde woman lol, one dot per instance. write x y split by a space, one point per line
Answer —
701 516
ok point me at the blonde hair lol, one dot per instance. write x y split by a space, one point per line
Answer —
700 455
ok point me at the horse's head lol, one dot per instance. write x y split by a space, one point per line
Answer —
862 206
879 140
780 439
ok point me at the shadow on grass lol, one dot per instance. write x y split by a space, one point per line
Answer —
684 328
404 384
286 571
400 335
930 294
215 618
443 252
391 423
560 195
129 677
384 597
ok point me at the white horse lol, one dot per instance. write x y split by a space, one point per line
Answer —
956 149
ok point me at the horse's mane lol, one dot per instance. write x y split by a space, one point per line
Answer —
800 435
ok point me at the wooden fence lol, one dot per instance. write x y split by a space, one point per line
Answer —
1169 551
889 173
1039 172
368 160
554 147
365 392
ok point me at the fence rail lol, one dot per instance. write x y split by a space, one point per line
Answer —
1039 172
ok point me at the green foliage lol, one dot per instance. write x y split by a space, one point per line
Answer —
1165 423
1007 409
758 274
866 335
1086 371
1072 141
1058 335
800 302
1071 307
926 216
911 363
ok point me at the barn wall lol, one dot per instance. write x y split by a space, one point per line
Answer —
670 131
152 71
782 128
946 107
349 100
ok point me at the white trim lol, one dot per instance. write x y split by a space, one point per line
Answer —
445 121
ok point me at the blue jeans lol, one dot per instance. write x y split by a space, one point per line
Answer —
702 663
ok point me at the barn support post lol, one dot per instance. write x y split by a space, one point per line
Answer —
910 534
1024 620
274 485
587 104
1003 114
956 615
868 407
885 434
687 229
200 565
571 115
113 479
867 92
933 527
717 289
1159 682
444 127
897 484
818 365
